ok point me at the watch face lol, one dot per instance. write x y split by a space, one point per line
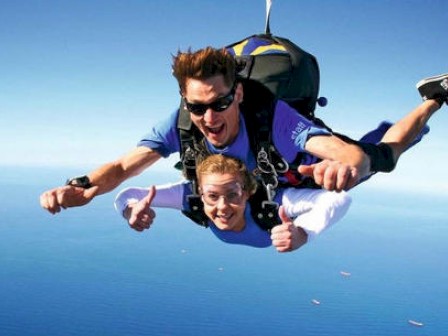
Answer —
80 181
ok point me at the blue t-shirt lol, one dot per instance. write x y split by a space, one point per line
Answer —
290 132
251 235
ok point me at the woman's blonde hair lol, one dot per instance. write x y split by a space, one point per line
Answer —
220 164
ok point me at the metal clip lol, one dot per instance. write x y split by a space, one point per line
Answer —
263 163
281 165
270 190
189 160
268 172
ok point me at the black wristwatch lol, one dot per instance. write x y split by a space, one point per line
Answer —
79 181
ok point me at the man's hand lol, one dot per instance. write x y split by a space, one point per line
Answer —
66 197
286 237
140 215
105 179
331 175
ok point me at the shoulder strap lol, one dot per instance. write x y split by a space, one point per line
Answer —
187 144
263 211
190 152
258 110
196 212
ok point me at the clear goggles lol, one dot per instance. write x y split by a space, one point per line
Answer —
231 193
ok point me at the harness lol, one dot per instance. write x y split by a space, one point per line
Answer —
258 111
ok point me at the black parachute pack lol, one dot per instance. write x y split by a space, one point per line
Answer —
270 68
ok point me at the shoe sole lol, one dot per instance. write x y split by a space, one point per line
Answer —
431 79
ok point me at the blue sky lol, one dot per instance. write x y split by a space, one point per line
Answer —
82 81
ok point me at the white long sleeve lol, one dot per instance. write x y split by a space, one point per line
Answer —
167 196
315 210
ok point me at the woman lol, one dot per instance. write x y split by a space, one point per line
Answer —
226 185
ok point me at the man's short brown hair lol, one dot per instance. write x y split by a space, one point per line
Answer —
203 64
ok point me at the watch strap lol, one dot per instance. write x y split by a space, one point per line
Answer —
79 181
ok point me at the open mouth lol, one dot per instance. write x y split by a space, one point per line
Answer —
215 130
224 217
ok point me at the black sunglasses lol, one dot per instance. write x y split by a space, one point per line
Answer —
219 105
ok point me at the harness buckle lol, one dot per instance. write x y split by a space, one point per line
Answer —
278 161
269 212
189 160
270 190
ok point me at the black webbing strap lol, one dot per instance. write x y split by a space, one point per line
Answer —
264 212
188 158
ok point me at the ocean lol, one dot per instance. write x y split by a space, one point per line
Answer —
84 272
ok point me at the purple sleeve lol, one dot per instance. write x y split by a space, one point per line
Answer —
163 137
291 131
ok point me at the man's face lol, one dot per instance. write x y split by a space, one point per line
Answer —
219 128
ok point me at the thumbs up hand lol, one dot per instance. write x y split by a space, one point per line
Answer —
140 215
286 237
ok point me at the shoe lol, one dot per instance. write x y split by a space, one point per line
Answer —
434 88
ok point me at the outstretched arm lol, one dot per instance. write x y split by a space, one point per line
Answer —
347 167
305 213
103 180
315 210
135 204
343 166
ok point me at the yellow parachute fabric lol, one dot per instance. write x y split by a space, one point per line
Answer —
274 47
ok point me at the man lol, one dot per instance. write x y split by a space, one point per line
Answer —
213 96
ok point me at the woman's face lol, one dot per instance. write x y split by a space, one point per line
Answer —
224 200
